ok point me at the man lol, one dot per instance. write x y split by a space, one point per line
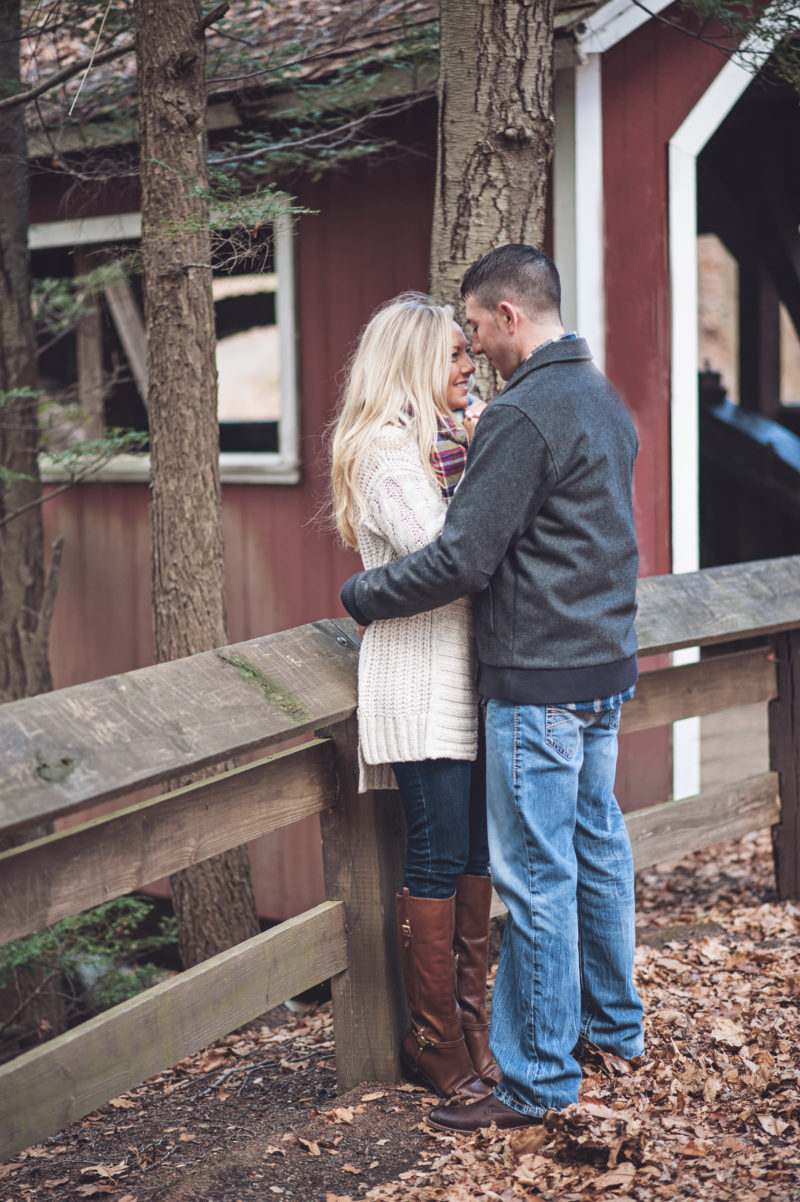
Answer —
540 533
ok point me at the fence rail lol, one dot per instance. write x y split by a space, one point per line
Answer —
66 750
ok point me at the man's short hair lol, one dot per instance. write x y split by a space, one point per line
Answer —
516 272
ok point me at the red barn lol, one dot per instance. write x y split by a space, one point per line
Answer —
660 139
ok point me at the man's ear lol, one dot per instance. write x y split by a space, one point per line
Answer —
508 317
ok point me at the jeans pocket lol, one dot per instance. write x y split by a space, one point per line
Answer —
562 731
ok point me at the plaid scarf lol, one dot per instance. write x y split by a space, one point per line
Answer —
449 454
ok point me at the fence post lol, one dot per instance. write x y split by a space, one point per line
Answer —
784 750
363 840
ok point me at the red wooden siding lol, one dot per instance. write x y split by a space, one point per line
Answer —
369 240
651 81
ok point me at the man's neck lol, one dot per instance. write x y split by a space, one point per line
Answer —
544 333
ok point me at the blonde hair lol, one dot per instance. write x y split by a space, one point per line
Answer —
399 372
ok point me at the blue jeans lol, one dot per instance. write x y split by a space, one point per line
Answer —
445 807
562 863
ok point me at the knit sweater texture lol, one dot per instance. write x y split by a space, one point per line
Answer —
416 675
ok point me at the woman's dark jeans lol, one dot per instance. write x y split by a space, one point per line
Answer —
445 807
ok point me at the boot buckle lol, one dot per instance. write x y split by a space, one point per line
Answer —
421 1040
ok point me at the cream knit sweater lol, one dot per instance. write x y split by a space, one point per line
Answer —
416 676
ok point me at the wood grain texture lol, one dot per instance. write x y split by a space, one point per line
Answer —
718 605
74 1074
104 739
363 843
669 694
784 751
676 828
89 864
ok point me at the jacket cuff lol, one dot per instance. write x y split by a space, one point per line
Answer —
347 596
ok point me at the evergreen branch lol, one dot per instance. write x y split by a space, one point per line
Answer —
26 1001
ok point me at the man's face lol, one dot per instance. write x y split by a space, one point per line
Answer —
492 338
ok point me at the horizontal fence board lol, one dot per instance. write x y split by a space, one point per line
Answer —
101 740
89 864
75 1073
738 601
669 694
674 829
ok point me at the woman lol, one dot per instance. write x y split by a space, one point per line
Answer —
398 451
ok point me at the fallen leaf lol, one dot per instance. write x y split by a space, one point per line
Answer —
372 1097
527 1140
214 1059
310 1144
122 1103
530 1169
727 1032
106 1171
341 1114
186 1138
773 1125
695 1147
621 1176
350 1168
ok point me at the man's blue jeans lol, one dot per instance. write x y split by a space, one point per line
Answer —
562 863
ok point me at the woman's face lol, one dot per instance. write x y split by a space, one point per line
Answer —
461 368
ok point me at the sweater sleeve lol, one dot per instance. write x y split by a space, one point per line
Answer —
510 472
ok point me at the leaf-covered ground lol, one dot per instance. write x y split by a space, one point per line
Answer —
712 1113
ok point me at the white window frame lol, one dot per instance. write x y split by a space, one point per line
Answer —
236 467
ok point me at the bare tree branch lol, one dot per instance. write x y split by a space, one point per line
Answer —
105 56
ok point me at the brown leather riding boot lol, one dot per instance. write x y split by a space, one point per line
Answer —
434 1048
471 946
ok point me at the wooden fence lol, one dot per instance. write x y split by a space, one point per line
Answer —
66 750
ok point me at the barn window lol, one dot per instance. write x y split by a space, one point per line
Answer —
101 362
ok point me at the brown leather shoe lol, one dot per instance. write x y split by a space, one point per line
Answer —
480 1114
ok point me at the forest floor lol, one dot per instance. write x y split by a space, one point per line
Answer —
712 1113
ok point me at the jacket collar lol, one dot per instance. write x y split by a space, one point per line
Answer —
562 351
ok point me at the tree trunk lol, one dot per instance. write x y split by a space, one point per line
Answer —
25 603
495 136
26 598
213 901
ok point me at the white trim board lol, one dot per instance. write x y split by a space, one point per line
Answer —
614 22
87 230
578 212
685 145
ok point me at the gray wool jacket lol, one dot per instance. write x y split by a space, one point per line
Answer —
540 534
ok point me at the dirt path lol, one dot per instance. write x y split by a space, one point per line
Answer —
713 1113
